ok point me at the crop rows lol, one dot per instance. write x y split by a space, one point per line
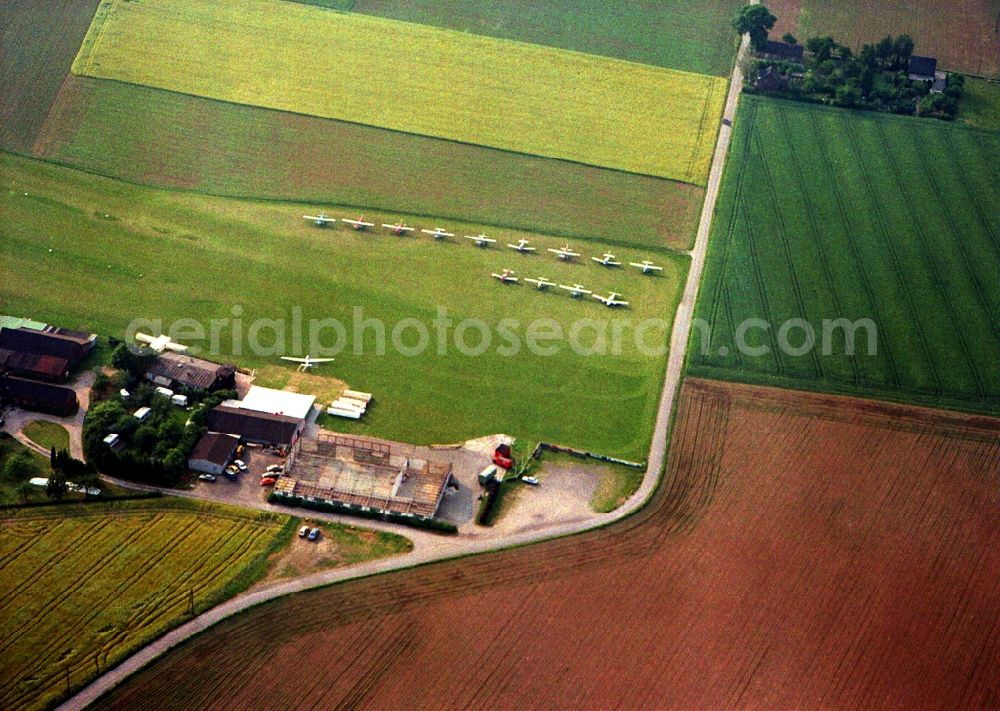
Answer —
112 582
865 232
798 545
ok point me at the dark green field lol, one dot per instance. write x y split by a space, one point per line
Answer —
161 138
828 214
693 36
38 41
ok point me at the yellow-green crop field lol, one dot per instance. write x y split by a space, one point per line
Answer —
413 78
83 586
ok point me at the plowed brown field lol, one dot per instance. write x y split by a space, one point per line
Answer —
805 551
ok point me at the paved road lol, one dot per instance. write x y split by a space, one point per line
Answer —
431 547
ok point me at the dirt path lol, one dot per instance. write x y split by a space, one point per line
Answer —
429 547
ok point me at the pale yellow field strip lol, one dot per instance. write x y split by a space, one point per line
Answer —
499 93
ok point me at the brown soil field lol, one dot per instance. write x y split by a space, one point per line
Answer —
963 34
38 41
804 551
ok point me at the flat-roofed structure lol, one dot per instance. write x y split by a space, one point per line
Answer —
276 402
363 474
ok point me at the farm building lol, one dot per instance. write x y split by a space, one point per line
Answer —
213 453
782 51
255 427
770 80
276 402
58 343
922 68
34 365
365 475
175 370
38 396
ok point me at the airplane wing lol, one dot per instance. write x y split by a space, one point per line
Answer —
296 360
317 360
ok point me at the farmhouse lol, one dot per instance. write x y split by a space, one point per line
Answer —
922 68
72 346
782 51
38 396
255 427
363 475
175 370
770 80
213 453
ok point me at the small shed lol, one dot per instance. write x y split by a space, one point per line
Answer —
213 453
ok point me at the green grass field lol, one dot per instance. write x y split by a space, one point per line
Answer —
691 36
121 252
159 137
38 41
413 78
89 584
828 214
47 434
980 104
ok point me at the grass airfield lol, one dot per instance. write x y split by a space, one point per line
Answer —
198 256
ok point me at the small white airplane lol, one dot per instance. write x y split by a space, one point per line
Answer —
158 344
399 228
608 260
611 300
481 240
359 224
320 220
576 291
564 253
438 233
646 266
506 277
307 362
521 246
541 282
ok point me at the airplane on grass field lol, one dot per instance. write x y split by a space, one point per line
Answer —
611 300
359 224
438 233
576 291
399 228
320 220
541 282
481 240
158 344
608 260
521 246
564 253
506 277
646 266
307 362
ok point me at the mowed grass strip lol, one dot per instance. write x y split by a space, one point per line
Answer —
176 140
413 78
47 434
827 214
121 252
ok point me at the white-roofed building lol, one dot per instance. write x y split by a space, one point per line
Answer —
276 402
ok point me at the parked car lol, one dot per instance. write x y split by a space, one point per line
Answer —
240 464
314 534
303 532
231 472
207 477
530 480
268 481
275 469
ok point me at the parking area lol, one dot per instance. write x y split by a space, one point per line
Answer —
246 489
